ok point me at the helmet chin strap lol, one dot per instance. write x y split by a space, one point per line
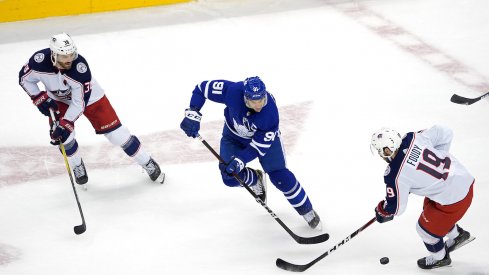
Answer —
53 58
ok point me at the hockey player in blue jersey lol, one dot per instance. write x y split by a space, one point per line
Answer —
251 131
69 88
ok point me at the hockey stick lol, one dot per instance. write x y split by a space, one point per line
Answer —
299 268
302 240
79 229
466 101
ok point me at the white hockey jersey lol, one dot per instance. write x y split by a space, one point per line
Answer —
423 166
74 87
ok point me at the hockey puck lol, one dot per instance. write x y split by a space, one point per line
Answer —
384 260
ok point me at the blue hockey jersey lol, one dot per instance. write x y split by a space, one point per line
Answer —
260 128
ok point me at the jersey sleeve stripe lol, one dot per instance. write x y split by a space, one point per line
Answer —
399 173
252 144
206 90
262 145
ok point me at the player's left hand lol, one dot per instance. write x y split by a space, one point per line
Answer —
61 131
234 166
381 215
191 122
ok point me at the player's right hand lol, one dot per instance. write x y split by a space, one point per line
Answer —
61 131
43 102
191 123
381 215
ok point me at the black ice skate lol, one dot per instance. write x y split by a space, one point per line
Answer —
312 218
154 171
462 239
260 188
430 263
80 172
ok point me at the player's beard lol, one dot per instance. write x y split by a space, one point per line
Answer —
64 65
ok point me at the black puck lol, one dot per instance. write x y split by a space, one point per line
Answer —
384 260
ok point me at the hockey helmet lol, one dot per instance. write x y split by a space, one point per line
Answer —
385 138
255 91
62 44
254 88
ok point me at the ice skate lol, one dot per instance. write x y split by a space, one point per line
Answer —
312 218
154 171
462 239
80 173
430 262
260 188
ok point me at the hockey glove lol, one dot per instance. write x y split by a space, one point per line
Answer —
191 123
61 131
43 102
381 215
234 166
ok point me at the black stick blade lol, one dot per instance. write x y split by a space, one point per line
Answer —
291 267
312 240
80 229
466 101
461 100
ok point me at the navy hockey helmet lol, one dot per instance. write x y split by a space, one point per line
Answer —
254 88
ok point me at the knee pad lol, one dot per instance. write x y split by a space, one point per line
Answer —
283 179
119 136
286 182
123 138
432 242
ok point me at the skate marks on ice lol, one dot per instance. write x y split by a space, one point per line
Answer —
8 254
20 164
414 45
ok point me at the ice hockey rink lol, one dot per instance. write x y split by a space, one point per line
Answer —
339 71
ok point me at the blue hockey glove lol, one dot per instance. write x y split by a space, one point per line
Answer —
381 215
43 102
191 123
61 131
234 166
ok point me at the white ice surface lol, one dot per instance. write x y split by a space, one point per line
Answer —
338 73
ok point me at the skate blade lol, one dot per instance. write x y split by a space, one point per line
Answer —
161 178
470 239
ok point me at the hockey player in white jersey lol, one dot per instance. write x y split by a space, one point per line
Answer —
420 163
69 89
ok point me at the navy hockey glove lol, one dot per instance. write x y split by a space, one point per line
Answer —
43 102
234 166
61 131
191 123
381 215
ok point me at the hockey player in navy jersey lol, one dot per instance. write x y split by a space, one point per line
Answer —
69 89
251 131
420 163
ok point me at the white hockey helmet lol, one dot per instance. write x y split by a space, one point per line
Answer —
383 138
61 44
